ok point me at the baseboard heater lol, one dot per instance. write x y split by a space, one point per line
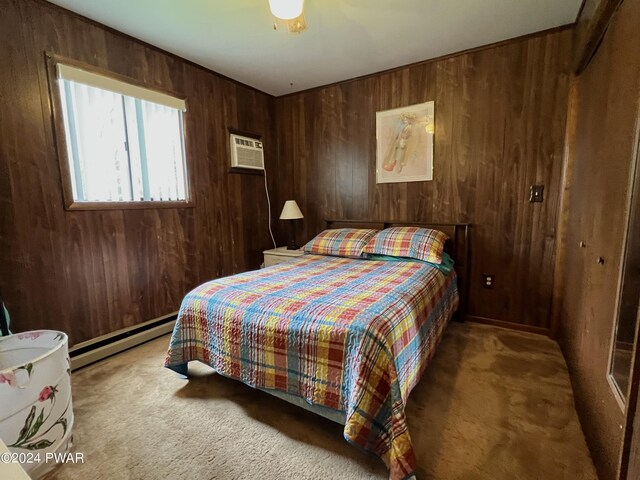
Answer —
102 347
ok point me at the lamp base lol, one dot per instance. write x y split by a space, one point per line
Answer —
292 245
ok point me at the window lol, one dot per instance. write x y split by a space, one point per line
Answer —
124 143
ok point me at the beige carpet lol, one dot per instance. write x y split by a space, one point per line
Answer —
494 404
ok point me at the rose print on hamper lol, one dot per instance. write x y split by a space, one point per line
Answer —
35 435
8 378
17 377
29 335
47 393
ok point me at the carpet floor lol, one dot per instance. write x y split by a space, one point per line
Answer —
494 404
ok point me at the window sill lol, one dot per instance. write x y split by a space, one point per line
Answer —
128 205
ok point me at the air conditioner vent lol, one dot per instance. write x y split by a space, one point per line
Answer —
246 152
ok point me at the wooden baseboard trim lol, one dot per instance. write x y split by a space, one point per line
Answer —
510 325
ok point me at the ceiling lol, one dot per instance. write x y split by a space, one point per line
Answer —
345 38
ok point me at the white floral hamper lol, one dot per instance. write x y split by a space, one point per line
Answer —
36 416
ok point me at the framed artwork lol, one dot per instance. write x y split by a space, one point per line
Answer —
404 144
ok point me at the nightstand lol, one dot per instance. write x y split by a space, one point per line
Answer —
279 255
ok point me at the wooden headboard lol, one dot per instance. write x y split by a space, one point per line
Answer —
458 246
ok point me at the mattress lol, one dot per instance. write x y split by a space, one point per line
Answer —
351 335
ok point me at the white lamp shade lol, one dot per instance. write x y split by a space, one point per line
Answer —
291 211
286 9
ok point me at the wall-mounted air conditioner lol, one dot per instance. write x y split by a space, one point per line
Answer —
246 152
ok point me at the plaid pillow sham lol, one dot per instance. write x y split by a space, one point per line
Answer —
414 242
340 242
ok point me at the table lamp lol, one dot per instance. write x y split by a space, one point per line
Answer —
291 212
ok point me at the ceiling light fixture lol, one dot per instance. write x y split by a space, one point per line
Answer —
297 25
289 12
286 9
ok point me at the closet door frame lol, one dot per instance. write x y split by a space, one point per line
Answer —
629 468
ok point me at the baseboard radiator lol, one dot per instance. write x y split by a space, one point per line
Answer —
102 347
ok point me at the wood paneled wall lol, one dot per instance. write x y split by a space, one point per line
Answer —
591 25
600 157
92 272
500 127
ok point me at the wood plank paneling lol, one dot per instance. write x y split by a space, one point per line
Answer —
591 25
93 272
600 157
500 122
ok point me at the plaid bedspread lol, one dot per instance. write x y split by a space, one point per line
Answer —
352 335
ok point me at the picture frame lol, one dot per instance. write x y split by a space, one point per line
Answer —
405 139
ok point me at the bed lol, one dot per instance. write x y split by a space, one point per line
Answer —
345 338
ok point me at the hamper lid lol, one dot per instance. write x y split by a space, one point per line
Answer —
49 340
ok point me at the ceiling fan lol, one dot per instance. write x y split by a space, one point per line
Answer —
289 11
